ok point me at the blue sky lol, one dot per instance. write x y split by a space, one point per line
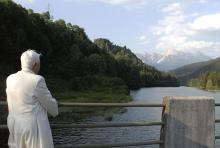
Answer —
143 25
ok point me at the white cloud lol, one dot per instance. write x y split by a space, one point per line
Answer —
125 3
207 23
195 14
177 31
172 22
19 1
143 40
209 48
170 29
174 8
203 1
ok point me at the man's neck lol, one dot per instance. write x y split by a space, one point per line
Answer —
27 70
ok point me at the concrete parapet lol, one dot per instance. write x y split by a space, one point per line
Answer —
189 122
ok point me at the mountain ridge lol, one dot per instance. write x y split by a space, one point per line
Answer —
187 72
172 59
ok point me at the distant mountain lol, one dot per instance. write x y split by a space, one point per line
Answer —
133 70
172 59
150 59
190 71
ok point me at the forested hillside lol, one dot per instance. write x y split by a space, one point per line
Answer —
206 80
70 61
132 70
203 75
187 72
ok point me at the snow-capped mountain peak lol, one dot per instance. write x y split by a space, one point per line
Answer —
171 52
168 54
172 59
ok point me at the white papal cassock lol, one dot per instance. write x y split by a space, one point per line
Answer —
29 100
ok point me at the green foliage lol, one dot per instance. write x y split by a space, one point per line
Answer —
69 57
100 83
96 63
132 70
92 96
188 72
207 80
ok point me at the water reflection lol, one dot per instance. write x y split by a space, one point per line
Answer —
132 134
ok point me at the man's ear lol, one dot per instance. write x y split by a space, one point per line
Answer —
34 65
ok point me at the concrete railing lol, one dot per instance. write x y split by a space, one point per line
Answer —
187 122
105 125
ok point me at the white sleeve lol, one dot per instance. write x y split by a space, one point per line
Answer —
45 98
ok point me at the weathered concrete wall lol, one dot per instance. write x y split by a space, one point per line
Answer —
189 122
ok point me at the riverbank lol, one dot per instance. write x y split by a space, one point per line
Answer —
92 97
213 90
209 90
77 114
103 91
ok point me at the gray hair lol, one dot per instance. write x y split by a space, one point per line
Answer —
29 58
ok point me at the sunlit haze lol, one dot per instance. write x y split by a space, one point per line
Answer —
142 25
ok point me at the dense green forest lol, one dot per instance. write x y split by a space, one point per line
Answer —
190 71
70 61
132 70
203 75
207 80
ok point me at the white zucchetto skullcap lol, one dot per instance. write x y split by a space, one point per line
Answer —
29 58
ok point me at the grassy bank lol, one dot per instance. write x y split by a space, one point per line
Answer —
213 90
77 114
93 89
91 96
90 89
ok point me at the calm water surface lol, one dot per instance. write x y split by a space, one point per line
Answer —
132 134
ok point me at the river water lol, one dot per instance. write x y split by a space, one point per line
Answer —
132 134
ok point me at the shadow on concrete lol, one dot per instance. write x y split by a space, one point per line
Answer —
178 137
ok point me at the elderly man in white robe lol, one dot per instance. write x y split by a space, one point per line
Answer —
29 100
